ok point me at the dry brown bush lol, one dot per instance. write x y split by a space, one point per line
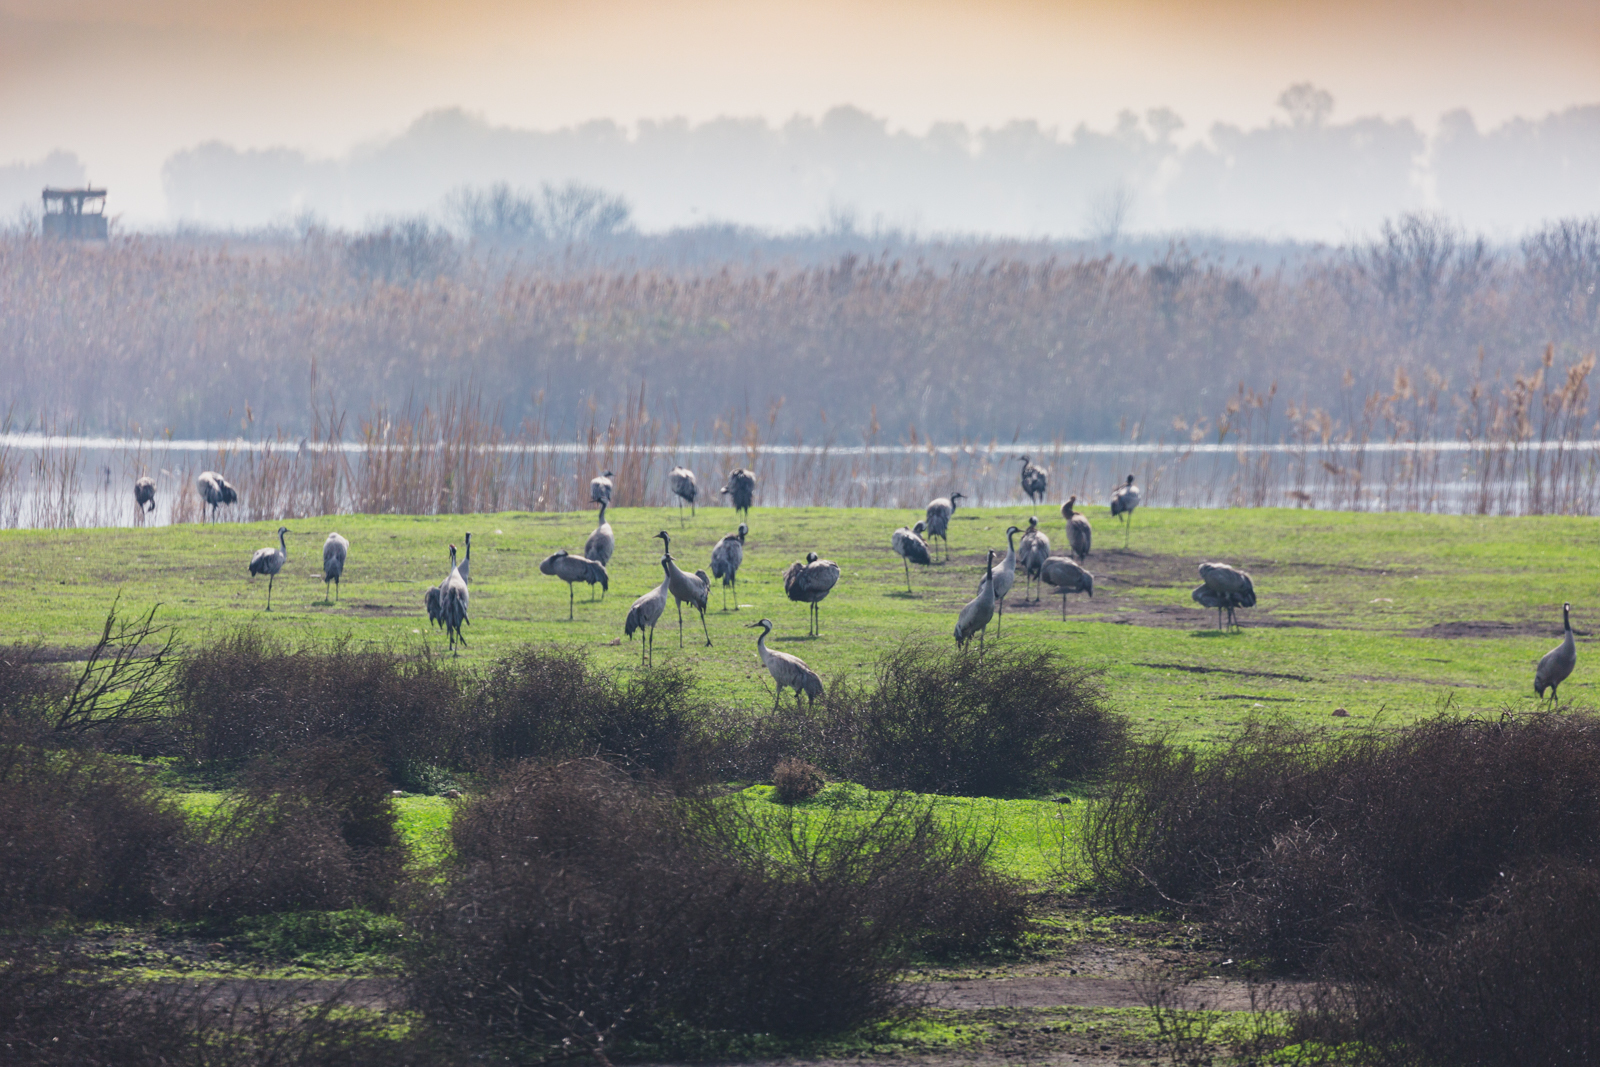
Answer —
794 780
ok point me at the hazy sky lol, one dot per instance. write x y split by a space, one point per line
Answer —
124 85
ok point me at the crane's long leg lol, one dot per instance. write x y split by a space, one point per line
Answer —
734 580
1127 530
907 562
336 590
1063 605
680 623
270 577
569 601
704 627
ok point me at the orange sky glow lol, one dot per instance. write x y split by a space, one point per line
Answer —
126 85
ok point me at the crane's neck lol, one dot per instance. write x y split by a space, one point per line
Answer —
602 513
1566 621
283 545
761 643
1011 540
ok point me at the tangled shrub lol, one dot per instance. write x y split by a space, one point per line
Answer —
1295 838
794 780
313 830
585 907
248 695
29 689
937 721
544 702
80 835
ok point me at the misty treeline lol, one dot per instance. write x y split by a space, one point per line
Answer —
156 335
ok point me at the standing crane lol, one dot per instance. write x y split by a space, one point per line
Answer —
725 561
741 487
974 618
602 543
600 489
810 583
1123 501
215 490
1004 577
685 588
1032 551
1065 575
269 561
790 672
938 518
1034 480
911 548
1559 661
1224 588
644 614
572 569
1080 535
453 604
681 481
334 551
144 495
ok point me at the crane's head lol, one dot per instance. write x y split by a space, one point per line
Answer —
1024 459
811 557
608 474
743 529
919 527
1066 509
1012 531
1130 479
1033 520
762 622
469 540
282 530
957 496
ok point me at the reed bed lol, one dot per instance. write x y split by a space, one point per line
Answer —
1523 446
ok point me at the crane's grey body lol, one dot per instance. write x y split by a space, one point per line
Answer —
1123 501
974 618
144 495
1224 588
685 588
466 564
434 599
572 569
1080 535
215 490
741 488
911 548
600 489
453 603
269 561
602 543
1004 577
1557 664
681 481
643 615
1066 575
334 551
810 583
1032 551
938 517
726 559
789 672
1035 480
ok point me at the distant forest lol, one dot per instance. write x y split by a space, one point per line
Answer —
835 336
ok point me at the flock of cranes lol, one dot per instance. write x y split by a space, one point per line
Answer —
1223 588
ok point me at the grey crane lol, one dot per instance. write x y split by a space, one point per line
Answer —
1065 575
974 618
434 599
1559 661
1032 551
790 672
644 614
938 518
1123 501
144 495
269 561
572 569
681 481
600 488
685 588
334 551
810 583
215 490
1224 588
453 600
1034 480
1004 577
911 548
741 487
726 558
466 564
602 543
1080 535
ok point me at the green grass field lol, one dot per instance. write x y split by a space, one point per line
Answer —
1393 612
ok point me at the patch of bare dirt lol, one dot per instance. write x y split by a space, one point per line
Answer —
1491 629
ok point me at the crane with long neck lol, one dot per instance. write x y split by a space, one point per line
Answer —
685 588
